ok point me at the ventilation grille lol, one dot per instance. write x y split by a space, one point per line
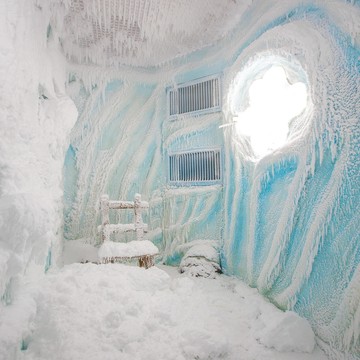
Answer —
197 97
195 167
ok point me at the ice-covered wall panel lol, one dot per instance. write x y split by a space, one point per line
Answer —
298 242
115 142
191 212
120 146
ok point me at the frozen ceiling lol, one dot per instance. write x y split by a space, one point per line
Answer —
144 32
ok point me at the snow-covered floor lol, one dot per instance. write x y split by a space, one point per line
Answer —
115 311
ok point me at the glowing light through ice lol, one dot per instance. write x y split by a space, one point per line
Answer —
273 103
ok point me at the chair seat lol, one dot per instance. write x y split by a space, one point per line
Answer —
144 250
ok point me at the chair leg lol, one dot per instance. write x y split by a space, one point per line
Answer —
146 261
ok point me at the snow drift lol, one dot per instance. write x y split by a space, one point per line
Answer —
35 120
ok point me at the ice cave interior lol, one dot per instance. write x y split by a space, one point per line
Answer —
238 121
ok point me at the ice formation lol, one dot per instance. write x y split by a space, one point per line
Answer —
35 120
286 223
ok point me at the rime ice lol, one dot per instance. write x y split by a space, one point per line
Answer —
85 110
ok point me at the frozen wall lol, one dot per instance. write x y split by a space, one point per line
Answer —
35 119
291 218
115 149
120 146
287 223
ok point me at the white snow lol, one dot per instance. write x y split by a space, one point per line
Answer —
79 250
201 259
131 249
88 311
204 250
199 267
36 117
287 332
114 311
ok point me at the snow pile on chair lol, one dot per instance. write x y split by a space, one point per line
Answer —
143 250
110 252
201 259
127 250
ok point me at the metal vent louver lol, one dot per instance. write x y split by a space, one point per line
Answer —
197 97
195 167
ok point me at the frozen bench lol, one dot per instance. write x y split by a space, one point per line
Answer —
110 252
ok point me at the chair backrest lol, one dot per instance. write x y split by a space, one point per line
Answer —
138 226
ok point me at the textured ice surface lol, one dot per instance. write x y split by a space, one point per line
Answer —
143 33
288 222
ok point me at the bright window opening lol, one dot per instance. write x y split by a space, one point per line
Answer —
273 102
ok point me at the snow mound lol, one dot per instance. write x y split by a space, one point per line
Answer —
206 251
24 236
119 312
201 260
288 332
189 245
79 251
131 249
